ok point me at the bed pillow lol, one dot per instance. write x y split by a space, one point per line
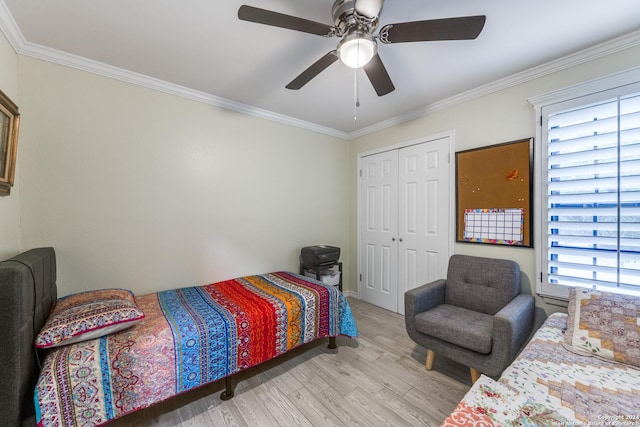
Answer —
604 324
88 315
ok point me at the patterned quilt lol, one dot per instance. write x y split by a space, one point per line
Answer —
189 337
548 385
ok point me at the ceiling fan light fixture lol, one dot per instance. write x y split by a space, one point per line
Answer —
356 50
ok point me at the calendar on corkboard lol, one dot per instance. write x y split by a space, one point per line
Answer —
494 194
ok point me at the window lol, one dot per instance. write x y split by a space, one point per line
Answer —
589 195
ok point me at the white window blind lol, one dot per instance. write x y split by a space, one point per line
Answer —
591 203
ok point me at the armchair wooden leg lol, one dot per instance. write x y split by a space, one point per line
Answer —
429 363
475 374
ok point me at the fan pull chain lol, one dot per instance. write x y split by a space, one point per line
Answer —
356 89
356 95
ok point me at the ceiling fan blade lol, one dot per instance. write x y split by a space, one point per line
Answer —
378 76
268 17
369 8
315 69
461 28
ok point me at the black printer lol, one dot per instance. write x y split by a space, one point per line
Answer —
319 256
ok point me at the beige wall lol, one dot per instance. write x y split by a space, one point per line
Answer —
9 205
140 189
499 117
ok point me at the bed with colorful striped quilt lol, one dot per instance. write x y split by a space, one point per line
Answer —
189 337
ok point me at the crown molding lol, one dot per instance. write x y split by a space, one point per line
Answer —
592 53
25 48
10 29
62 58
600 84
22 47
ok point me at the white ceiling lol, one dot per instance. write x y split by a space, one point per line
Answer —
201 46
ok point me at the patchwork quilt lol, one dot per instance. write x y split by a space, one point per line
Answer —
189 337
550 385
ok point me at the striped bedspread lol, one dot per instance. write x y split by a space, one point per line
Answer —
189 337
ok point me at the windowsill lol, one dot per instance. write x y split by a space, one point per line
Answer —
554 300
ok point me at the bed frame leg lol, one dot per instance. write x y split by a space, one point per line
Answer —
332 343
228 392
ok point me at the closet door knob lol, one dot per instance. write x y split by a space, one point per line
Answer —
393 239
400 239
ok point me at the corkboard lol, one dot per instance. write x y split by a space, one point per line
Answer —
494 194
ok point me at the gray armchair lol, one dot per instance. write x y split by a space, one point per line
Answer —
476 317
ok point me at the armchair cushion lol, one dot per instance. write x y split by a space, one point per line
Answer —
481 284
459 326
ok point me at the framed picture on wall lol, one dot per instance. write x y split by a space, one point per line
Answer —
9 123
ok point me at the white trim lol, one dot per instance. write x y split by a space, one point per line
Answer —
22 47
10 29
608 82
350 294
403 144
539 234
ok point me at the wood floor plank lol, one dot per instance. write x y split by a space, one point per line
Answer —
378 379
341 380
196 413
313 381
430 403
252 410
399 411
349 414
382 369
413 414
313 409
375 413
392 346
283 410
369 345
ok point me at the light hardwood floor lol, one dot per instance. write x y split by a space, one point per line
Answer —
377 380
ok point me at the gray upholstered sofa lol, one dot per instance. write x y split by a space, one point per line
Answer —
27 293
476 316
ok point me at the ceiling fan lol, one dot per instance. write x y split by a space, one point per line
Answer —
355 23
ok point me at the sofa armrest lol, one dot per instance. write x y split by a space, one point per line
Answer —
513 324
424 298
